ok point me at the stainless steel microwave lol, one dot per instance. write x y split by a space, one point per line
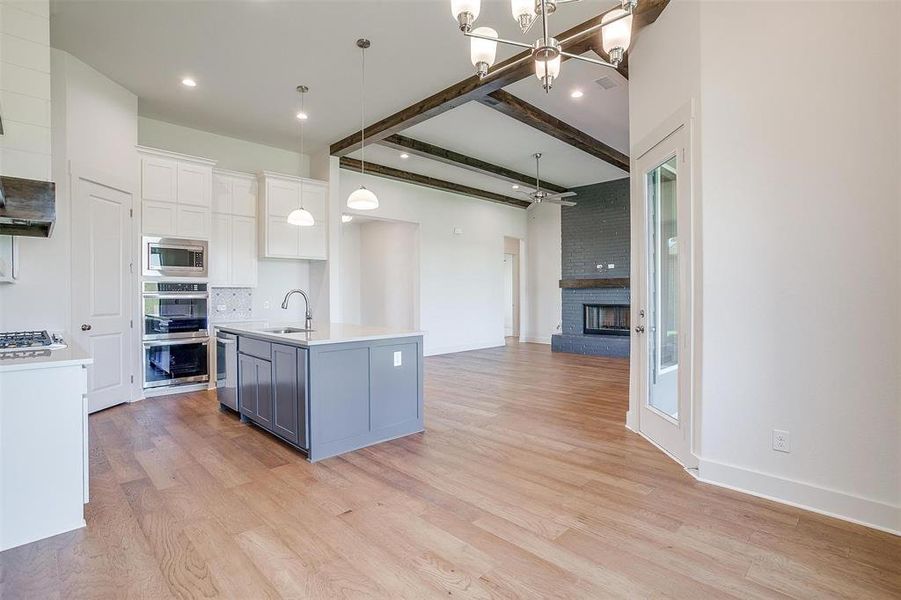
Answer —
174 257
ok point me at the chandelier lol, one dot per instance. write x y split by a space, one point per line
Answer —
547 52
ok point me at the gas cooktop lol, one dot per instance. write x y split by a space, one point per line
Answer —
16 341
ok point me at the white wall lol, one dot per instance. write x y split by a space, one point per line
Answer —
350 273
800 288
542 306
461 276
275 277
389 274
229 153
25 106
93 128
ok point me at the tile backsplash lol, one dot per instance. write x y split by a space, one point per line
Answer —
231 304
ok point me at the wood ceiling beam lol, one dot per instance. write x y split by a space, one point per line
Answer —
516 108
474 165
576 40
353 164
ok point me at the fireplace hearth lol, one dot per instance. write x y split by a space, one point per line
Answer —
605 319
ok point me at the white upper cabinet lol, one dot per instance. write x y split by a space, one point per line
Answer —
281 194
176 193
233 242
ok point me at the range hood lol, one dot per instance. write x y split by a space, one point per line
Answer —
27 207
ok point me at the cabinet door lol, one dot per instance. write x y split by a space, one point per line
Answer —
221 250
194 184
243 251
313 241
281 197
264 392
244 197
223 194
158 218
193 222
158 177
283 239
247 385
284 391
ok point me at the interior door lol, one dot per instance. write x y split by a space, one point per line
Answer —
663 327
101 288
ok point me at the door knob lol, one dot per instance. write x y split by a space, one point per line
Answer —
85 327
639 329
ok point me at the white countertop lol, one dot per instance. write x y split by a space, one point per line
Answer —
323 333
49 359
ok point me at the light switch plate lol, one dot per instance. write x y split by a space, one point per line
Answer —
398 358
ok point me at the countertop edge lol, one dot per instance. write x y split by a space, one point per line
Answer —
291 340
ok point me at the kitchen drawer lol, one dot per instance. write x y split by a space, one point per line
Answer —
254 347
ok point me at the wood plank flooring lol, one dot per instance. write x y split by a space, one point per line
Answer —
525 485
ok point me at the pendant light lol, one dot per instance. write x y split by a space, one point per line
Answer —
300 216
362 199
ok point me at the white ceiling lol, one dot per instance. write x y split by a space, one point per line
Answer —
248 57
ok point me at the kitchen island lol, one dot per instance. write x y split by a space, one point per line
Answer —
331 389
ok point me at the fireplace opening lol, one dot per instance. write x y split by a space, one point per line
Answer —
606 319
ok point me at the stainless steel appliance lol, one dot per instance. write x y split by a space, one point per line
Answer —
174 257
25 344
175 362
176 333
227 369
175 309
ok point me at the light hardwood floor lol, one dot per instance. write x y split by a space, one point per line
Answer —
525 485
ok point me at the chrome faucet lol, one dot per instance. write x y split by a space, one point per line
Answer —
308 323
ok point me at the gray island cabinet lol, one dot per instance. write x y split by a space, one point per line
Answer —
331 390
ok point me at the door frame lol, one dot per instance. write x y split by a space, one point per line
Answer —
684 117
78 172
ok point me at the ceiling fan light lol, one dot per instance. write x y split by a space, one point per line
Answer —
362 199
616 36
301 217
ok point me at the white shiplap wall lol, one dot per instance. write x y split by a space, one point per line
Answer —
25 88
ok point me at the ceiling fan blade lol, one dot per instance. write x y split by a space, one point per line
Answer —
563 195
560 202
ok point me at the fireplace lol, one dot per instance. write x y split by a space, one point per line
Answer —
605 319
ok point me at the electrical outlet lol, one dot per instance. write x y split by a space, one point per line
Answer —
782 441
398 358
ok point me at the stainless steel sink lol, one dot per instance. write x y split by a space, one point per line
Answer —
287 330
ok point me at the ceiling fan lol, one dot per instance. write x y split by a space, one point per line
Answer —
540 195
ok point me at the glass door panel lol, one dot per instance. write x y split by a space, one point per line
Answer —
663 289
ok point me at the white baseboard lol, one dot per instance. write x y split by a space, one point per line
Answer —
863 511
466 347
535 340
631 421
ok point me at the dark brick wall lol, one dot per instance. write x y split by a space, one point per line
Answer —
594 232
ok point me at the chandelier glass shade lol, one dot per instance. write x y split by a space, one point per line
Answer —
547 53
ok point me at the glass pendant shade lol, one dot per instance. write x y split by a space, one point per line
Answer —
522 8
362 199
548 68
617 34
483 51
459 7
301 217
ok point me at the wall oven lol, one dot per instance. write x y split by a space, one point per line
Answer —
175 362
176 333
174 257
175 309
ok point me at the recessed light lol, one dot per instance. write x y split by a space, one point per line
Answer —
347 218
303 116
188 82
405 155
576 94
515 187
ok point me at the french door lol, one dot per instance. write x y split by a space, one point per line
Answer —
663 324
